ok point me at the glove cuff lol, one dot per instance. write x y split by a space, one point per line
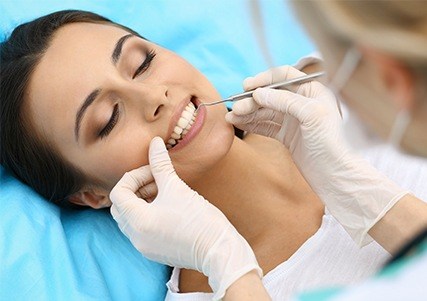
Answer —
363 238
358 196
229 259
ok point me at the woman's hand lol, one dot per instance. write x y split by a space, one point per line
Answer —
307 121
180 228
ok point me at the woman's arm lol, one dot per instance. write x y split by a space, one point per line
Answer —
402 222
248 287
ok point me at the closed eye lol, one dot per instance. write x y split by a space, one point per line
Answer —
111 123
145 64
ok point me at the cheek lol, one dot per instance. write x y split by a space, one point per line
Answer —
373 112
120 162
107 163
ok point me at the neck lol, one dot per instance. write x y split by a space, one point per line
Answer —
261 192
257 183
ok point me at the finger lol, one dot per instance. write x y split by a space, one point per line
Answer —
271 76
264 78
283 101
245 106
266 128
150 199
130 216
127 208
148 191
262 114
129 184
160 162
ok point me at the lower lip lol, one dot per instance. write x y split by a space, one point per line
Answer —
195 128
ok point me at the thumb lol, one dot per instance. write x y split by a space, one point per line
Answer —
160 162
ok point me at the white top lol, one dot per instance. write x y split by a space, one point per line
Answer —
330 257
327 258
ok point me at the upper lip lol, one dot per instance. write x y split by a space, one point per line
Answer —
176 115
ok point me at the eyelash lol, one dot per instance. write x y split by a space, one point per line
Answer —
145 64
115 115
111 123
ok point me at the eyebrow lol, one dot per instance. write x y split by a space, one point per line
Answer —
115 56
80 113
118 48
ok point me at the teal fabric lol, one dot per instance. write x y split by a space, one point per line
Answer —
410 258
320 295
395 275
47 253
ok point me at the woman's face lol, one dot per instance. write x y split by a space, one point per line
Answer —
99 95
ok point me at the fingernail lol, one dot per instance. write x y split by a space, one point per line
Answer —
236 107
157 146
261 92
157 141
247 82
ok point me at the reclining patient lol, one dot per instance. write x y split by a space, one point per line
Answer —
82 97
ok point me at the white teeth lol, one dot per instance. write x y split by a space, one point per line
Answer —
182 122
187 115
183 125
177 130
175 136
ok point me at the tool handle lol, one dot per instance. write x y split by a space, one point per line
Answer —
279 85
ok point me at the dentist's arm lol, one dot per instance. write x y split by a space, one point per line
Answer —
180 228
399 225
307 122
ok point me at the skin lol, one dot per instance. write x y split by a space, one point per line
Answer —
379 88
77 62
252 180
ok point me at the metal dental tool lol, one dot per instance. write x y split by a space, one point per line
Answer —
279 85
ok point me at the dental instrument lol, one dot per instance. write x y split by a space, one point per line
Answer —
279 85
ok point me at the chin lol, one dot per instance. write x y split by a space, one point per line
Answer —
211 145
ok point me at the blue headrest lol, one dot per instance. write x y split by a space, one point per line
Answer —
47 253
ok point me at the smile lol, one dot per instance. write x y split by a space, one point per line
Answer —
189 123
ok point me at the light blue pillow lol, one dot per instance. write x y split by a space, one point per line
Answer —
47 253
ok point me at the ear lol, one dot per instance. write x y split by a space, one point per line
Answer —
90 198
397 78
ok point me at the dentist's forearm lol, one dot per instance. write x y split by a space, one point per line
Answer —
401 223
248 287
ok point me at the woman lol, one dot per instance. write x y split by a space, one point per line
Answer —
375 53
93 95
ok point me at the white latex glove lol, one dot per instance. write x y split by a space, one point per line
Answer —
307 122
180 228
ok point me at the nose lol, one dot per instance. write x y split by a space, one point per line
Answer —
150 99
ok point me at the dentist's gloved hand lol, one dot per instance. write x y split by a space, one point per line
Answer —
180 228
306 120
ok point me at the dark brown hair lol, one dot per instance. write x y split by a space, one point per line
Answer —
27 156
